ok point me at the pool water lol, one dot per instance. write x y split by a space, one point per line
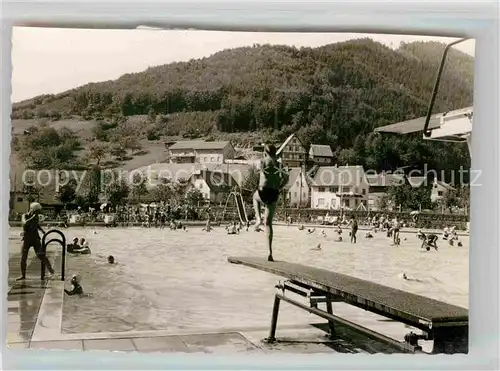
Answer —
176 280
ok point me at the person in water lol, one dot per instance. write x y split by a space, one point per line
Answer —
111 259
77 289
73 246
354 229
31 238
430 241
272 179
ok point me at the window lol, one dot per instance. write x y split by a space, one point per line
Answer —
364 191
345 189
200 186
335 189
321 202
19 199
321 189
440 193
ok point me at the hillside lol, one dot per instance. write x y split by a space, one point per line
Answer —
335 94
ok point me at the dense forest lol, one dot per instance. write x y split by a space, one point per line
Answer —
334 94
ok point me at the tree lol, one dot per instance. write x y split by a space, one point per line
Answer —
408 198
118 151
450 200
130 143
194 197
97 152
32 192
117 191
162 193
383 202
463 196
67 192
91 185
139 186
250 182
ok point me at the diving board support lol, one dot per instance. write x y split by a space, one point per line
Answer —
445 324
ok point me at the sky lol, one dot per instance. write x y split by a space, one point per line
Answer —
50 60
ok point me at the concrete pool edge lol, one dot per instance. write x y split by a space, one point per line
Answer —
49 321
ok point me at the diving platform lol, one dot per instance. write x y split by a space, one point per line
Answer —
445 324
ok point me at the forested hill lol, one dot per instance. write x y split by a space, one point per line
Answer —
334 94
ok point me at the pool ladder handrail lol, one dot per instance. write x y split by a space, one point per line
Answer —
62 242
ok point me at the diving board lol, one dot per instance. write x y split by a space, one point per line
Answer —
444 323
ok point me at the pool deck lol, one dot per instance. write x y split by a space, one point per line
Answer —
35 312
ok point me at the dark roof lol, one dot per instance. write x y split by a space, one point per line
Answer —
321 150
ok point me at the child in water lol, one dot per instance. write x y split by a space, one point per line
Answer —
77 288
272 179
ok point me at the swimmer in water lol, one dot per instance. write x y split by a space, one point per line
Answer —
311 230
272 179
111 259
31 238
429 241
323 233
72 246
317 248
77 289
406 278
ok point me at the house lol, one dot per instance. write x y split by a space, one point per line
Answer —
203 152
440 190
339 187
292 152
158 172
213 185
379 185
298 190
42 186
321 154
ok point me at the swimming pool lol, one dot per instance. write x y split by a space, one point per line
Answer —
176 280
